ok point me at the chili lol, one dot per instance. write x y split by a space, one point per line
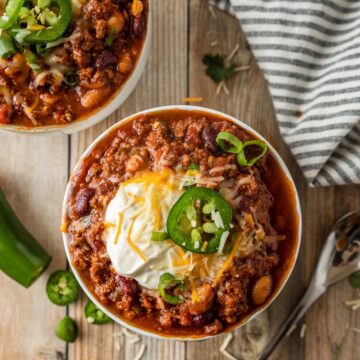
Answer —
62 288
200 215
21 256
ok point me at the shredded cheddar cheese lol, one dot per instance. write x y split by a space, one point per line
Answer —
227 262
132 244
118 230
193 99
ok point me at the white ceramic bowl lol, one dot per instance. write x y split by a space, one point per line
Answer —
118 98
211 112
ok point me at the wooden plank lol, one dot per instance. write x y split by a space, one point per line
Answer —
250 101
163 82
329 324
33 172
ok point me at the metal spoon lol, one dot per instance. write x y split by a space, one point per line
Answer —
339 259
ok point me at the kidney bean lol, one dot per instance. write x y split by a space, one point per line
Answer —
208 136
105 59
127 286
203 319
83 201
138 25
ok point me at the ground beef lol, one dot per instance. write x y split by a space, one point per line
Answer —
156 143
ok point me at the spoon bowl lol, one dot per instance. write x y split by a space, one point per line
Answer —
338 260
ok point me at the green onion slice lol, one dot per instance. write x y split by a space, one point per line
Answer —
225 137
194 166
241 158
71 79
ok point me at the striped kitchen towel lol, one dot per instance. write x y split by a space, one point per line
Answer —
309 51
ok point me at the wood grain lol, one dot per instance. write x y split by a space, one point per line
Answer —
183 31
33 175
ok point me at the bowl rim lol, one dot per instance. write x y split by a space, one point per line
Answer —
116 100
238 122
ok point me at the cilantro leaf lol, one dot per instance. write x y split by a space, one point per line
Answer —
216 68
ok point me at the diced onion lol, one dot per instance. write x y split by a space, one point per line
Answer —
216 217
223 239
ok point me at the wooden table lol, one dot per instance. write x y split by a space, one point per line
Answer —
34 172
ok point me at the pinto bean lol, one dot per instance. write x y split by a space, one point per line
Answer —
93 97
125 64
138 25
261 289
116 23
206 296
105 59
134 164
83 201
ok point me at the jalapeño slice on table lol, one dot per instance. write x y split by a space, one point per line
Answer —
62 288
94 315
200 221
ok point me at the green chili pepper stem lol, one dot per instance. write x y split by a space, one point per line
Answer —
229 138
54 32
21 256
11 13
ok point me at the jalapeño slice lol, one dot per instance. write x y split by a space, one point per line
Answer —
62 288
198 220
94 315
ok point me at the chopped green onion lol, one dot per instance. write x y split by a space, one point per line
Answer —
111 37
194 166
241 158
168 281
224 137
40 48
210 228
159 236
6 45
32 61
71 79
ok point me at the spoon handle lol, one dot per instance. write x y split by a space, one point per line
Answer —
289 325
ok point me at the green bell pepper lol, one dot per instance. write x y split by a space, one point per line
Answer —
21 256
